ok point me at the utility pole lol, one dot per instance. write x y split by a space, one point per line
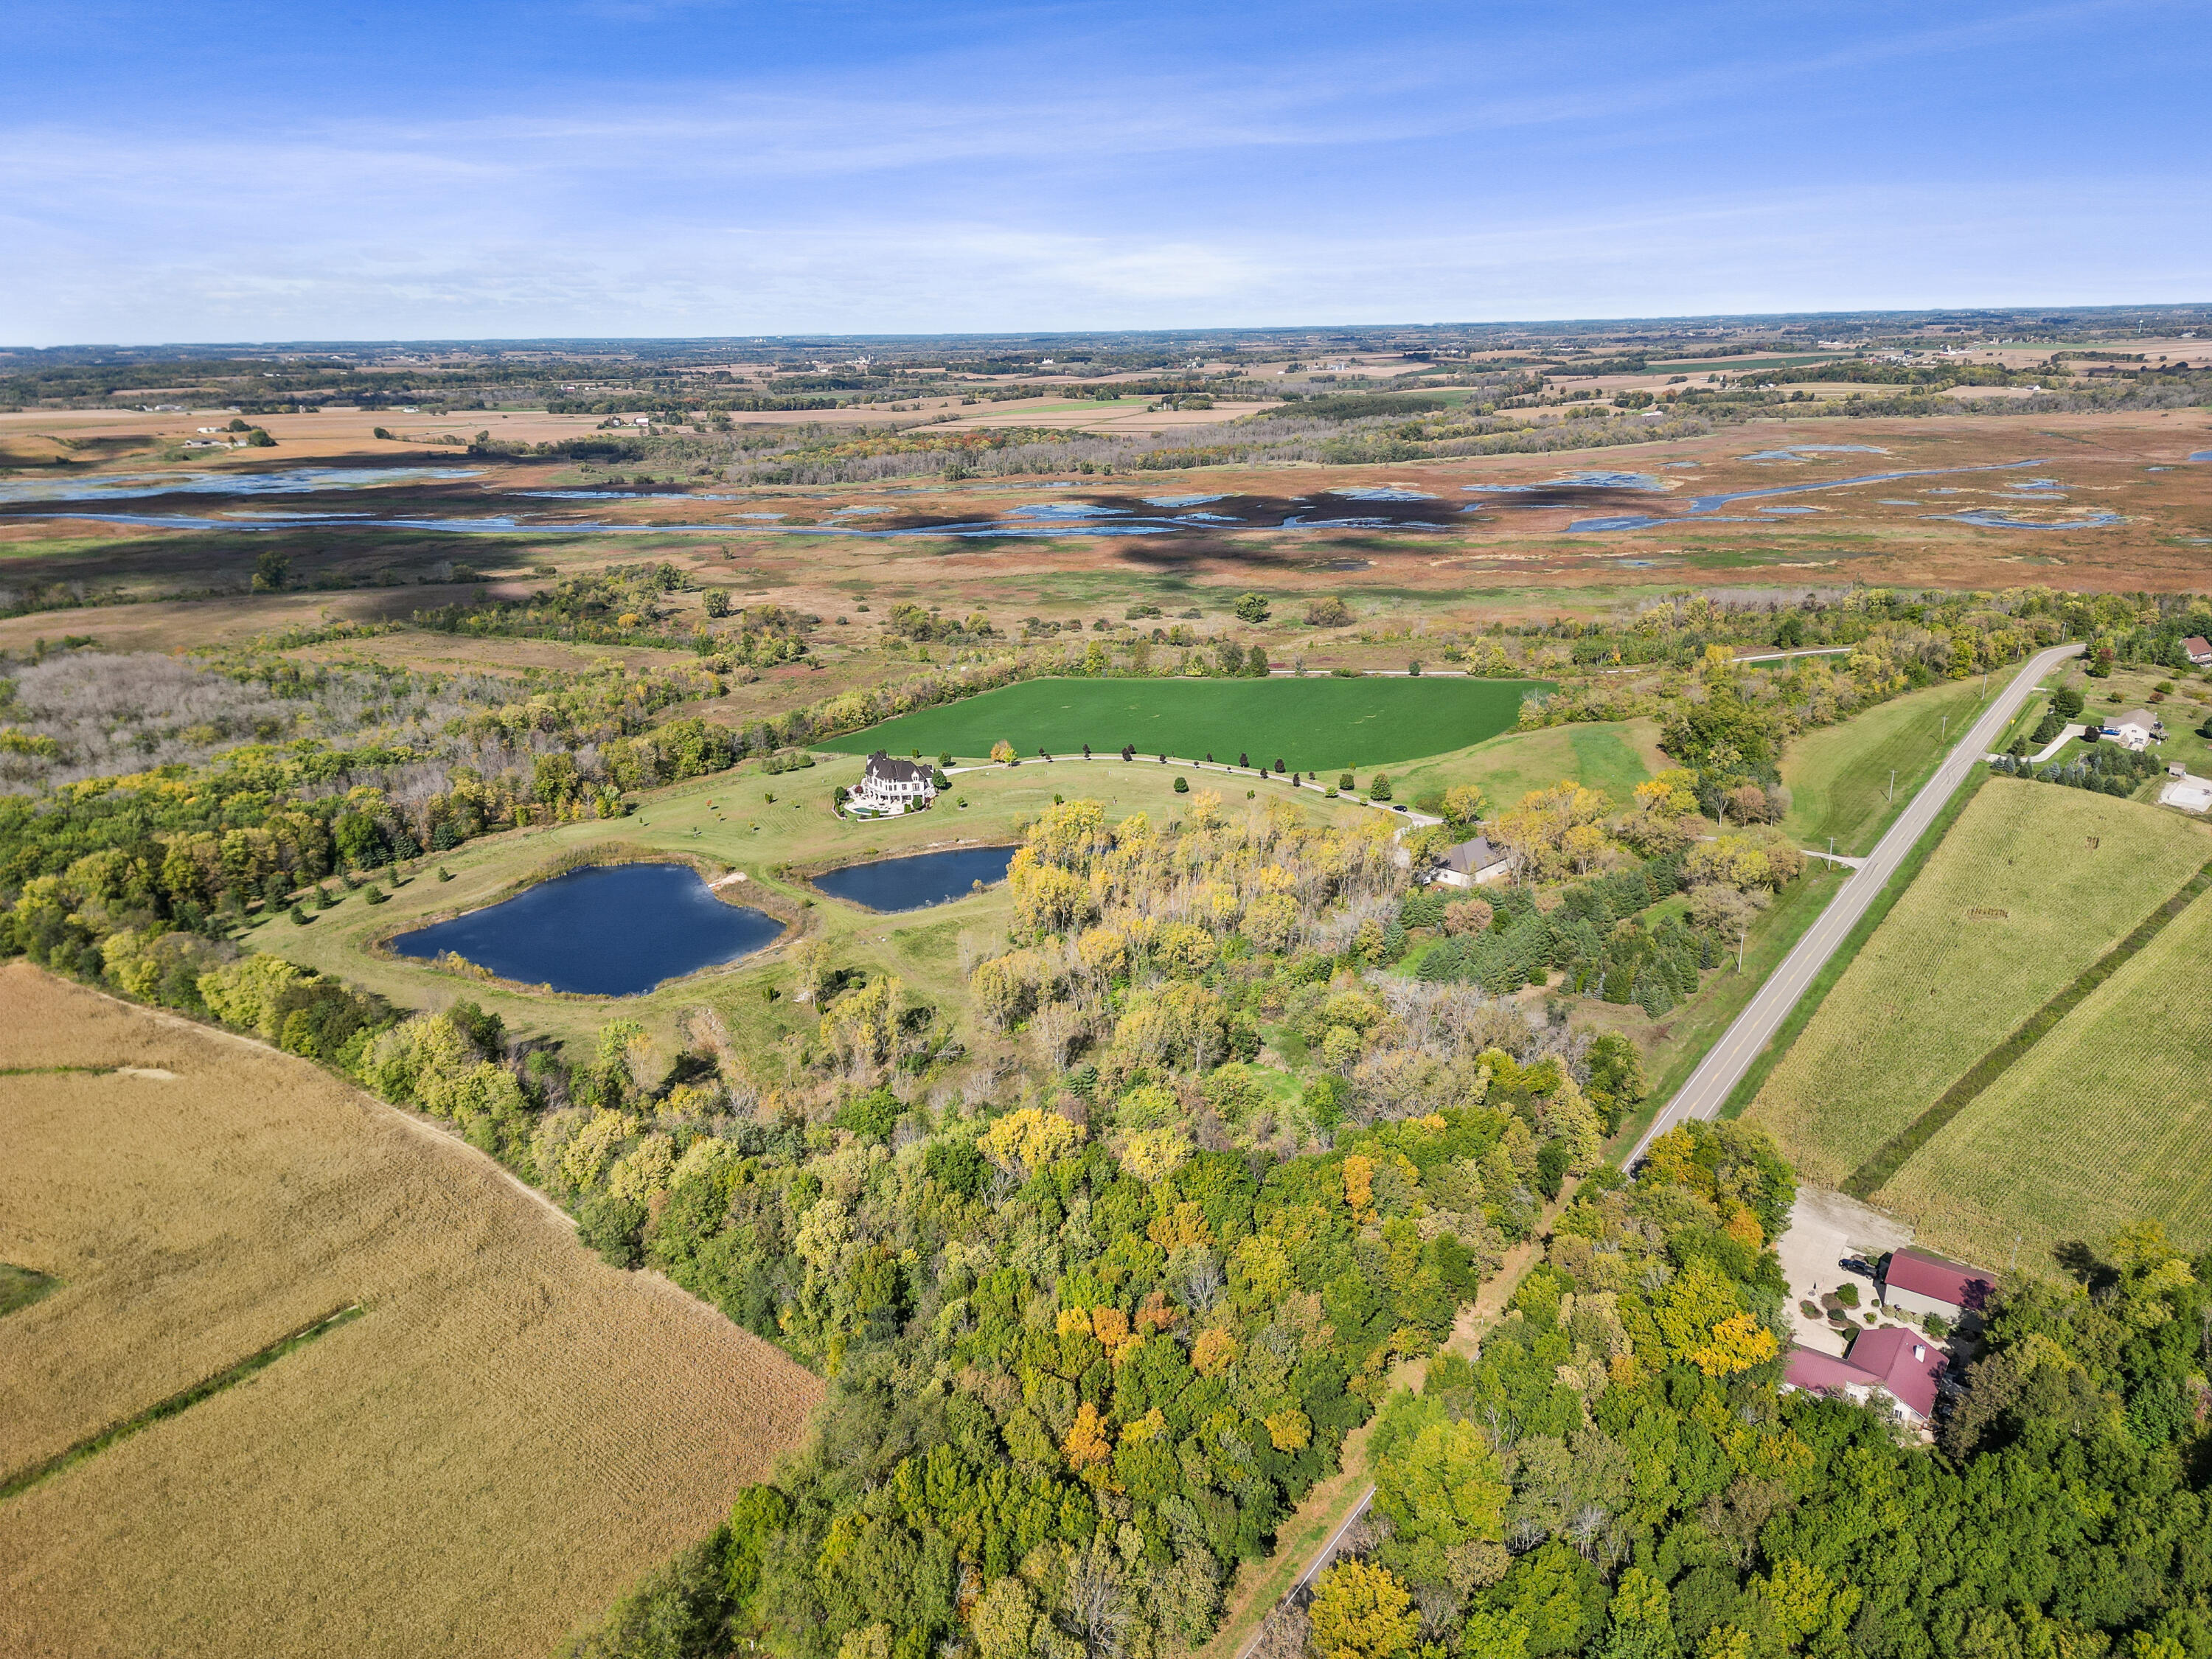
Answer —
1893 786
1944 735
1831 846
1743 935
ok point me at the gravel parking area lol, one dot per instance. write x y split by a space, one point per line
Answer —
1824 1228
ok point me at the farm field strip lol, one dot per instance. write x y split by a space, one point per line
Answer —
1816 993
2033 883
24 1479
2068 1145
511 1435
1893 1153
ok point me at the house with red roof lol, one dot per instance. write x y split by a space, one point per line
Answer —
1917 1283
1893 1367
2198 650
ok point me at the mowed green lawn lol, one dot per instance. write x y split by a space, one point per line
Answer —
2031 886
1839 776
732 819
2107 1121
1320 724
1611 757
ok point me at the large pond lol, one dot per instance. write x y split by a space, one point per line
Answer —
923 878
611 931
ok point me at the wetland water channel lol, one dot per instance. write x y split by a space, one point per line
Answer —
1369 507
612 930
918 880
1703 509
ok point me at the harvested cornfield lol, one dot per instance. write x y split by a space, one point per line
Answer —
2106 1121
2030 887
508 1433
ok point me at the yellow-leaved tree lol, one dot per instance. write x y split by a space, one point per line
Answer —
1087 1443
1361 1611
861 1027
1739 1342
1359 1185
1149 1154
1554 832
1028 1139
1047 899
1464 806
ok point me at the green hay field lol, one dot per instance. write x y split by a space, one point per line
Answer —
1318 724
1838 775
2032 884
2106 1121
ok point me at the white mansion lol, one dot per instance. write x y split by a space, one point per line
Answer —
893 785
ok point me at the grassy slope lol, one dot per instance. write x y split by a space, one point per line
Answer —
1838 775
2068 1146
1318 723
1613 756
1936 988
920 947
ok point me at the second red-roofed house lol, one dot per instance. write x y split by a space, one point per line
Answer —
1896 1366
1914 1282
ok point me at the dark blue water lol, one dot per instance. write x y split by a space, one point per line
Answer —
611 931
924 878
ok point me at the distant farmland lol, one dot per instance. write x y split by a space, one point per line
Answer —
2107 1121
1316 724
505 1437
2030 887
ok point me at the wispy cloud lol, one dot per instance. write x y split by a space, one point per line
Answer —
1061 166
1759 251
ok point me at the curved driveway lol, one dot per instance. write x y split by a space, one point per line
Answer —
1724 1065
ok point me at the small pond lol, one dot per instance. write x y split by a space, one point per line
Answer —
918 880
612 930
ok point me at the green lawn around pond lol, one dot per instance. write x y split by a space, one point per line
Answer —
1318 724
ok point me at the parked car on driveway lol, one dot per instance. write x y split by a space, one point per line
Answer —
1859 1265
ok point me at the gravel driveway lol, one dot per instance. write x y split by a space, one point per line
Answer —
1824 1228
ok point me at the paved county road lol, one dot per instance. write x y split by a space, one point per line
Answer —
1724 1067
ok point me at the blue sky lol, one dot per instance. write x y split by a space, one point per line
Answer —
223 171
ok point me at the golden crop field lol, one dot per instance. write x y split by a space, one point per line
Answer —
507 1436
2106 1121
2031 886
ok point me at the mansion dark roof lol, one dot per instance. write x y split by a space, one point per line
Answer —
890 770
